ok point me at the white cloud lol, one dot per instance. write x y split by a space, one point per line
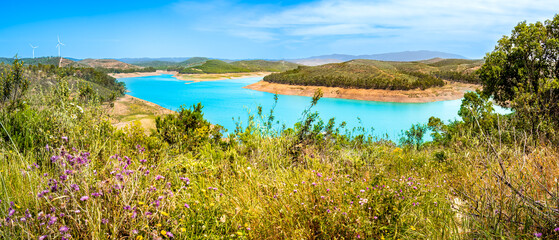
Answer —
469 27
331 17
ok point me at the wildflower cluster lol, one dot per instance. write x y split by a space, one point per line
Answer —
72 197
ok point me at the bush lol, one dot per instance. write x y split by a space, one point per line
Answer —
188 129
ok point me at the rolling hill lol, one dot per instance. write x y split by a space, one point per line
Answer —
107 63
218 66
373 74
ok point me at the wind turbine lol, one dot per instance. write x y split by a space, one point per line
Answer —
58 46
33 49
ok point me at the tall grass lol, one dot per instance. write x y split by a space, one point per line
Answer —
81 178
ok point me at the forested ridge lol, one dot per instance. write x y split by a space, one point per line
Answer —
372 74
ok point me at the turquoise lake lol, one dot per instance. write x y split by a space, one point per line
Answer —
226 102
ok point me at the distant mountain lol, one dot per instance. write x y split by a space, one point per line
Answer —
407 56
315 61
143 60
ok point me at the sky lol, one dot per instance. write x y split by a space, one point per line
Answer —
260 29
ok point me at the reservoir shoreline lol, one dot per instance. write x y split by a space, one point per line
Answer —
451 90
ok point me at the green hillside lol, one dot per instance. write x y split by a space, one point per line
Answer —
218 66
155 64
193 61
168 65
197 65
35 61
372 74
265 66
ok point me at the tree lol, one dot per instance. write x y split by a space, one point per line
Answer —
13 85
523 71
414 136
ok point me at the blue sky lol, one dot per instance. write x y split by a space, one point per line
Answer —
261 29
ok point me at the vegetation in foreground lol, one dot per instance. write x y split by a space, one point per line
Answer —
66 172
372 74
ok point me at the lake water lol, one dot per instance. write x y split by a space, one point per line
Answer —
226 102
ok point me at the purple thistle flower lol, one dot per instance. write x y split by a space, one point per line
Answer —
27 214
11 212
127 207
47 147
538 235
104 221
84 198
42 193
119 177
44 236
148 213
96 194
63 229
75 187
556 229
63 177
158 177
65 138
143 160
186 205
170 235
318 174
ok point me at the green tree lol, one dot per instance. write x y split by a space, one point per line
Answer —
523 72
13 85
414 136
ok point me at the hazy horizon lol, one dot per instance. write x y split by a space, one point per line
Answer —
260 29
